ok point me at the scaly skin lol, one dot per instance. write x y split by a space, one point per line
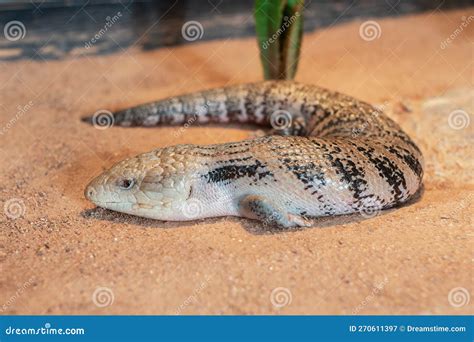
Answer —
329 154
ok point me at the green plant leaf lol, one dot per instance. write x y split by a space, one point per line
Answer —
279 26
290 42
268 17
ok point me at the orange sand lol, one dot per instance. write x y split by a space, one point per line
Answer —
61 250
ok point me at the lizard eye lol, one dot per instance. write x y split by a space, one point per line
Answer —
125 183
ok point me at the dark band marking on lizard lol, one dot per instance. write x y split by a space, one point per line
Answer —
336 155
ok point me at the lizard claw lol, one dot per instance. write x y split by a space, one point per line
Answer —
300 220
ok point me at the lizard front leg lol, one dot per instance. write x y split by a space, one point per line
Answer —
259 207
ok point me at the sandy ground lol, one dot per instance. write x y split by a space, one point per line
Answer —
60 255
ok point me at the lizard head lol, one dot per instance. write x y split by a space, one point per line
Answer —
157 185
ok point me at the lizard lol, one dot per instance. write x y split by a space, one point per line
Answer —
326 154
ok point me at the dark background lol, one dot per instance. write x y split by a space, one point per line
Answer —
56 28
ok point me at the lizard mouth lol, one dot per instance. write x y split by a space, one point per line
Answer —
104 204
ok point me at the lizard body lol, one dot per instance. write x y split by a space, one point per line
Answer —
328 154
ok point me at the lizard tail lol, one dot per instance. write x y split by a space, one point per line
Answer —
233 104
